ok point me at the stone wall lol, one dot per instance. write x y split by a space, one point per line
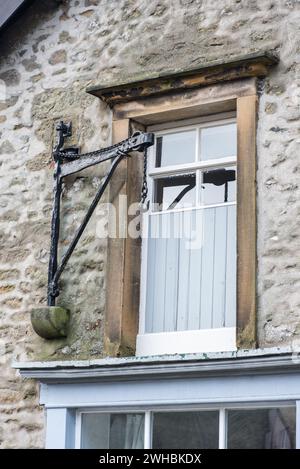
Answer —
48 57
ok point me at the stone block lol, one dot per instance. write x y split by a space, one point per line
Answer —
50 322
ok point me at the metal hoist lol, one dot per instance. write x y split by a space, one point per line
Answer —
68 161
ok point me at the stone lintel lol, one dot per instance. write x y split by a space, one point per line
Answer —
251 65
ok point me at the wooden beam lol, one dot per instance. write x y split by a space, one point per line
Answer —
116 249
246 222
132 257
123 258
192 103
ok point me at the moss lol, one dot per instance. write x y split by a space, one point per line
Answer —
246 337
126 351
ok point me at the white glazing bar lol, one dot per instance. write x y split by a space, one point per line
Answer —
198 173
189 167
222 204
148 430
197 146
78 430
222 429
198 185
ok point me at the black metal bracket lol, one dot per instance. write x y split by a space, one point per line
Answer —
67 162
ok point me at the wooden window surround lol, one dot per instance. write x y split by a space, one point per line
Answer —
211 89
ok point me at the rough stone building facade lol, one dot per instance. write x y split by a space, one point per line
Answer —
51 52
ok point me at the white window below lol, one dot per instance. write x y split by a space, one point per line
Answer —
234 428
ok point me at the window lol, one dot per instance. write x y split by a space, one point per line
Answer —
188 285
238 428
125 310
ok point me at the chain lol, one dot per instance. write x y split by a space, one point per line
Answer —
144 191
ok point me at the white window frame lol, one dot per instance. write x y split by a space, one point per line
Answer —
190 341
148 417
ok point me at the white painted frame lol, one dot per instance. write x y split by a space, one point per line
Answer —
191 341
221 339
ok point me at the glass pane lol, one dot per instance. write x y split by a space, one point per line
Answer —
218 142
262 428
186 430
218 186
177 148
120 431
175 192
